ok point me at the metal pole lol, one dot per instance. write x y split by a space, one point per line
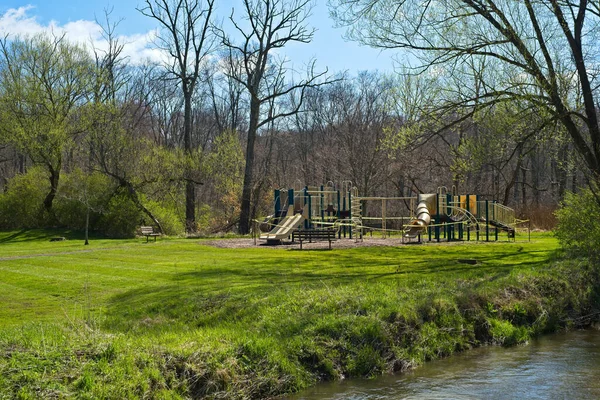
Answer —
487 221
437 217
383 225
468 208
339 214
349 194
322 199
307 204
277 203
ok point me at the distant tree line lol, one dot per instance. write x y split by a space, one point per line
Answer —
197 144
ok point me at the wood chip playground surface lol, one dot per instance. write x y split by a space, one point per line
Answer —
343 243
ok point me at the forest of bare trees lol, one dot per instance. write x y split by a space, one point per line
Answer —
504 108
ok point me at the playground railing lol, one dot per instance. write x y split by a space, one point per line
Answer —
502 214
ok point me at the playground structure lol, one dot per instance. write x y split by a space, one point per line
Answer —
433 217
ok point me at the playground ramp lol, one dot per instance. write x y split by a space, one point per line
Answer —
286 226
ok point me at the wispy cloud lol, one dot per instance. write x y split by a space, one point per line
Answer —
21 21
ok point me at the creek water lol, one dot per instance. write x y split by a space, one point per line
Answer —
563 366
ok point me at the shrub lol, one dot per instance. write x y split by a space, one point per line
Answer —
21 206
170 220
578 227
79 191
121 217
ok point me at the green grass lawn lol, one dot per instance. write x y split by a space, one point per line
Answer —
176 318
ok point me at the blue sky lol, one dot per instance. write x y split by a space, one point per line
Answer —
76 17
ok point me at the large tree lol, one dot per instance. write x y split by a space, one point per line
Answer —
186 37
542 53
269 25
43 82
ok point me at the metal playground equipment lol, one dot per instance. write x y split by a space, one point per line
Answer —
433 217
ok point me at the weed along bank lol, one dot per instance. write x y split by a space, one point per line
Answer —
338 211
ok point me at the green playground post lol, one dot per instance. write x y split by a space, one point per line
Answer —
468 197
437 217
496 227
277 203
448 213
338 214
487 221
350 228
307 204
290 197
321 201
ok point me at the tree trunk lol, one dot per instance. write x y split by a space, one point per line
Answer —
134 197
87 225
190 189
249 170
54 178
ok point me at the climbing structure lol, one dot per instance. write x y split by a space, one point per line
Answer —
434 216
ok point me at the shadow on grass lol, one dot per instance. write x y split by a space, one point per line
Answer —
13 236
212 293
31 235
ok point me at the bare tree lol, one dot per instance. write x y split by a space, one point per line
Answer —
271 25
187 39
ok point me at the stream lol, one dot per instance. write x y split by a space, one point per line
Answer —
561 366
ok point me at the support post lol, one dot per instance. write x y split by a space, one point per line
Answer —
496 228
339 214
277 197
437 217
351 227
321 208
468 208
383 224
290 197
487 221
307 204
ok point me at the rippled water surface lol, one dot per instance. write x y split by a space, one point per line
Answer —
563 366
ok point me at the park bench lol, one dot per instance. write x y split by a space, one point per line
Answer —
149 231
314 234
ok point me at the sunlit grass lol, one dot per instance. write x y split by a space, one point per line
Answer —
255 322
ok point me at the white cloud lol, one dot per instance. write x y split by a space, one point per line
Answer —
138 47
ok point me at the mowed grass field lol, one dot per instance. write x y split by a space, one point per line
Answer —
131 280
176 318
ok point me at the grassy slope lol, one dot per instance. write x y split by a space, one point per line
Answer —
174 318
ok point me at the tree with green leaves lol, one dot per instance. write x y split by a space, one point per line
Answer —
43 83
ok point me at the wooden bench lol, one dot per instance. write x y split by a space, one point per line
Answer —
149 231
314 234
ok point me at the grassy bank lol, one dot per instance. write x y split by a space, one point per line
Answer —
177 319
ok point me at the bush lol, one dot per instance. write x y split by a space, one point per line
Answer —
21 206
121 217
578 227
79 191
171 221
